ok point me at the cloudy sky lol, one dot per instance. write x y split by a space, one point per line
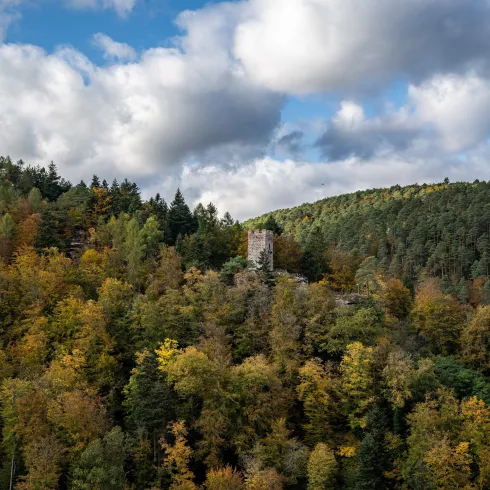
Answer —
253 104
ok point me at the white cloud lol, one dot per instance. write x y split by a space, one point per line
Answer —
113 50
10 10
457 106
268 184
121 7
447 114
136 120
303 46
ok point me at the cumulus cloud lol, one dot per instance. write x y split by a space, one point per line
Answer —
136 119
446 114
113 50
350 133
302 46
457 106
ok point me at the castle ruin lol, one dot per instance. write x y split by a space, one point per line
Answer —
259 240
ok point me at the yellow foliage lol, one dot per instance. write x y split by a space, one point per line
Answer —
166 353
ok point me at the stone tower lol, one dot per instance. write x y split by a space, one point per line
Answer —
259 240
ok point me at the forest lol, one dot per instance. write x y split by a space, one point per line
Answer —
139 350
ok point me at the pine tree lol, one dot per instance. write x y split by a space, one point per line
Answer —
180 219
272 225
95 182
463 291
314 264
372 456
264 267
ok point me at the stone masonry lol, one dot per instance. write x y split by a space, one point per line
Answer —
259 240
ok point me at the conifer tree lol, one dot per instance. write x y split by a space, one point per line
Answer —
180 219
314 262
372 455
272 225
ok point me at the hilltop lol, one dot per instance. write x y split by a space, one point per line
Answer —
432 229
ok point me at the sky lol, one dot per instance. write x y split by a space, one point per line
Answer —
253 105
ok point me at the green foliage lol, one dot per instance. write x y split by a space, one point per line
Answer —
465 381
148 398
271 224
314 262
373 458
230 268
180 219
101 465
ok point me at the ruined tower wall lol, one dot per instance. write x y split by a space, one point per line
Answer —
259 240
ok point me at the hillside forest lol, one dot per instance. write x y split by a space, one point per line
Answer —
140 351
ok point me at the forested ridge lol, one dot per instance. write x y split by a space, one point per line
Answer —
140 351
432 229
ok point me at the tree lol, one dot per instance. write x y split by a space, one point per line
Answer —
287 253
397 299
314 263
356 324
43 459
442 431
322 468
398 375
168 273
35 199
357 383
475 340
267 479
133 248
177 457
463 291
151 238
101 465
464 381
125 198
264 262
316 384
180 219
148 399
449 466
366 275
52 185
224 479
95 182
438 318
372 455
286 314
343 265
232 267
272 225
278 450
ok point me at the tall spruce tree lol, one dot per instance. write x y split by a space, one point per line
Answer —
272 225
372 455
180 219
314 263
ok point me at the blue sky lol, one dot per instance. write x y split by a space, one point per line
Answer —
49 24
252 104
